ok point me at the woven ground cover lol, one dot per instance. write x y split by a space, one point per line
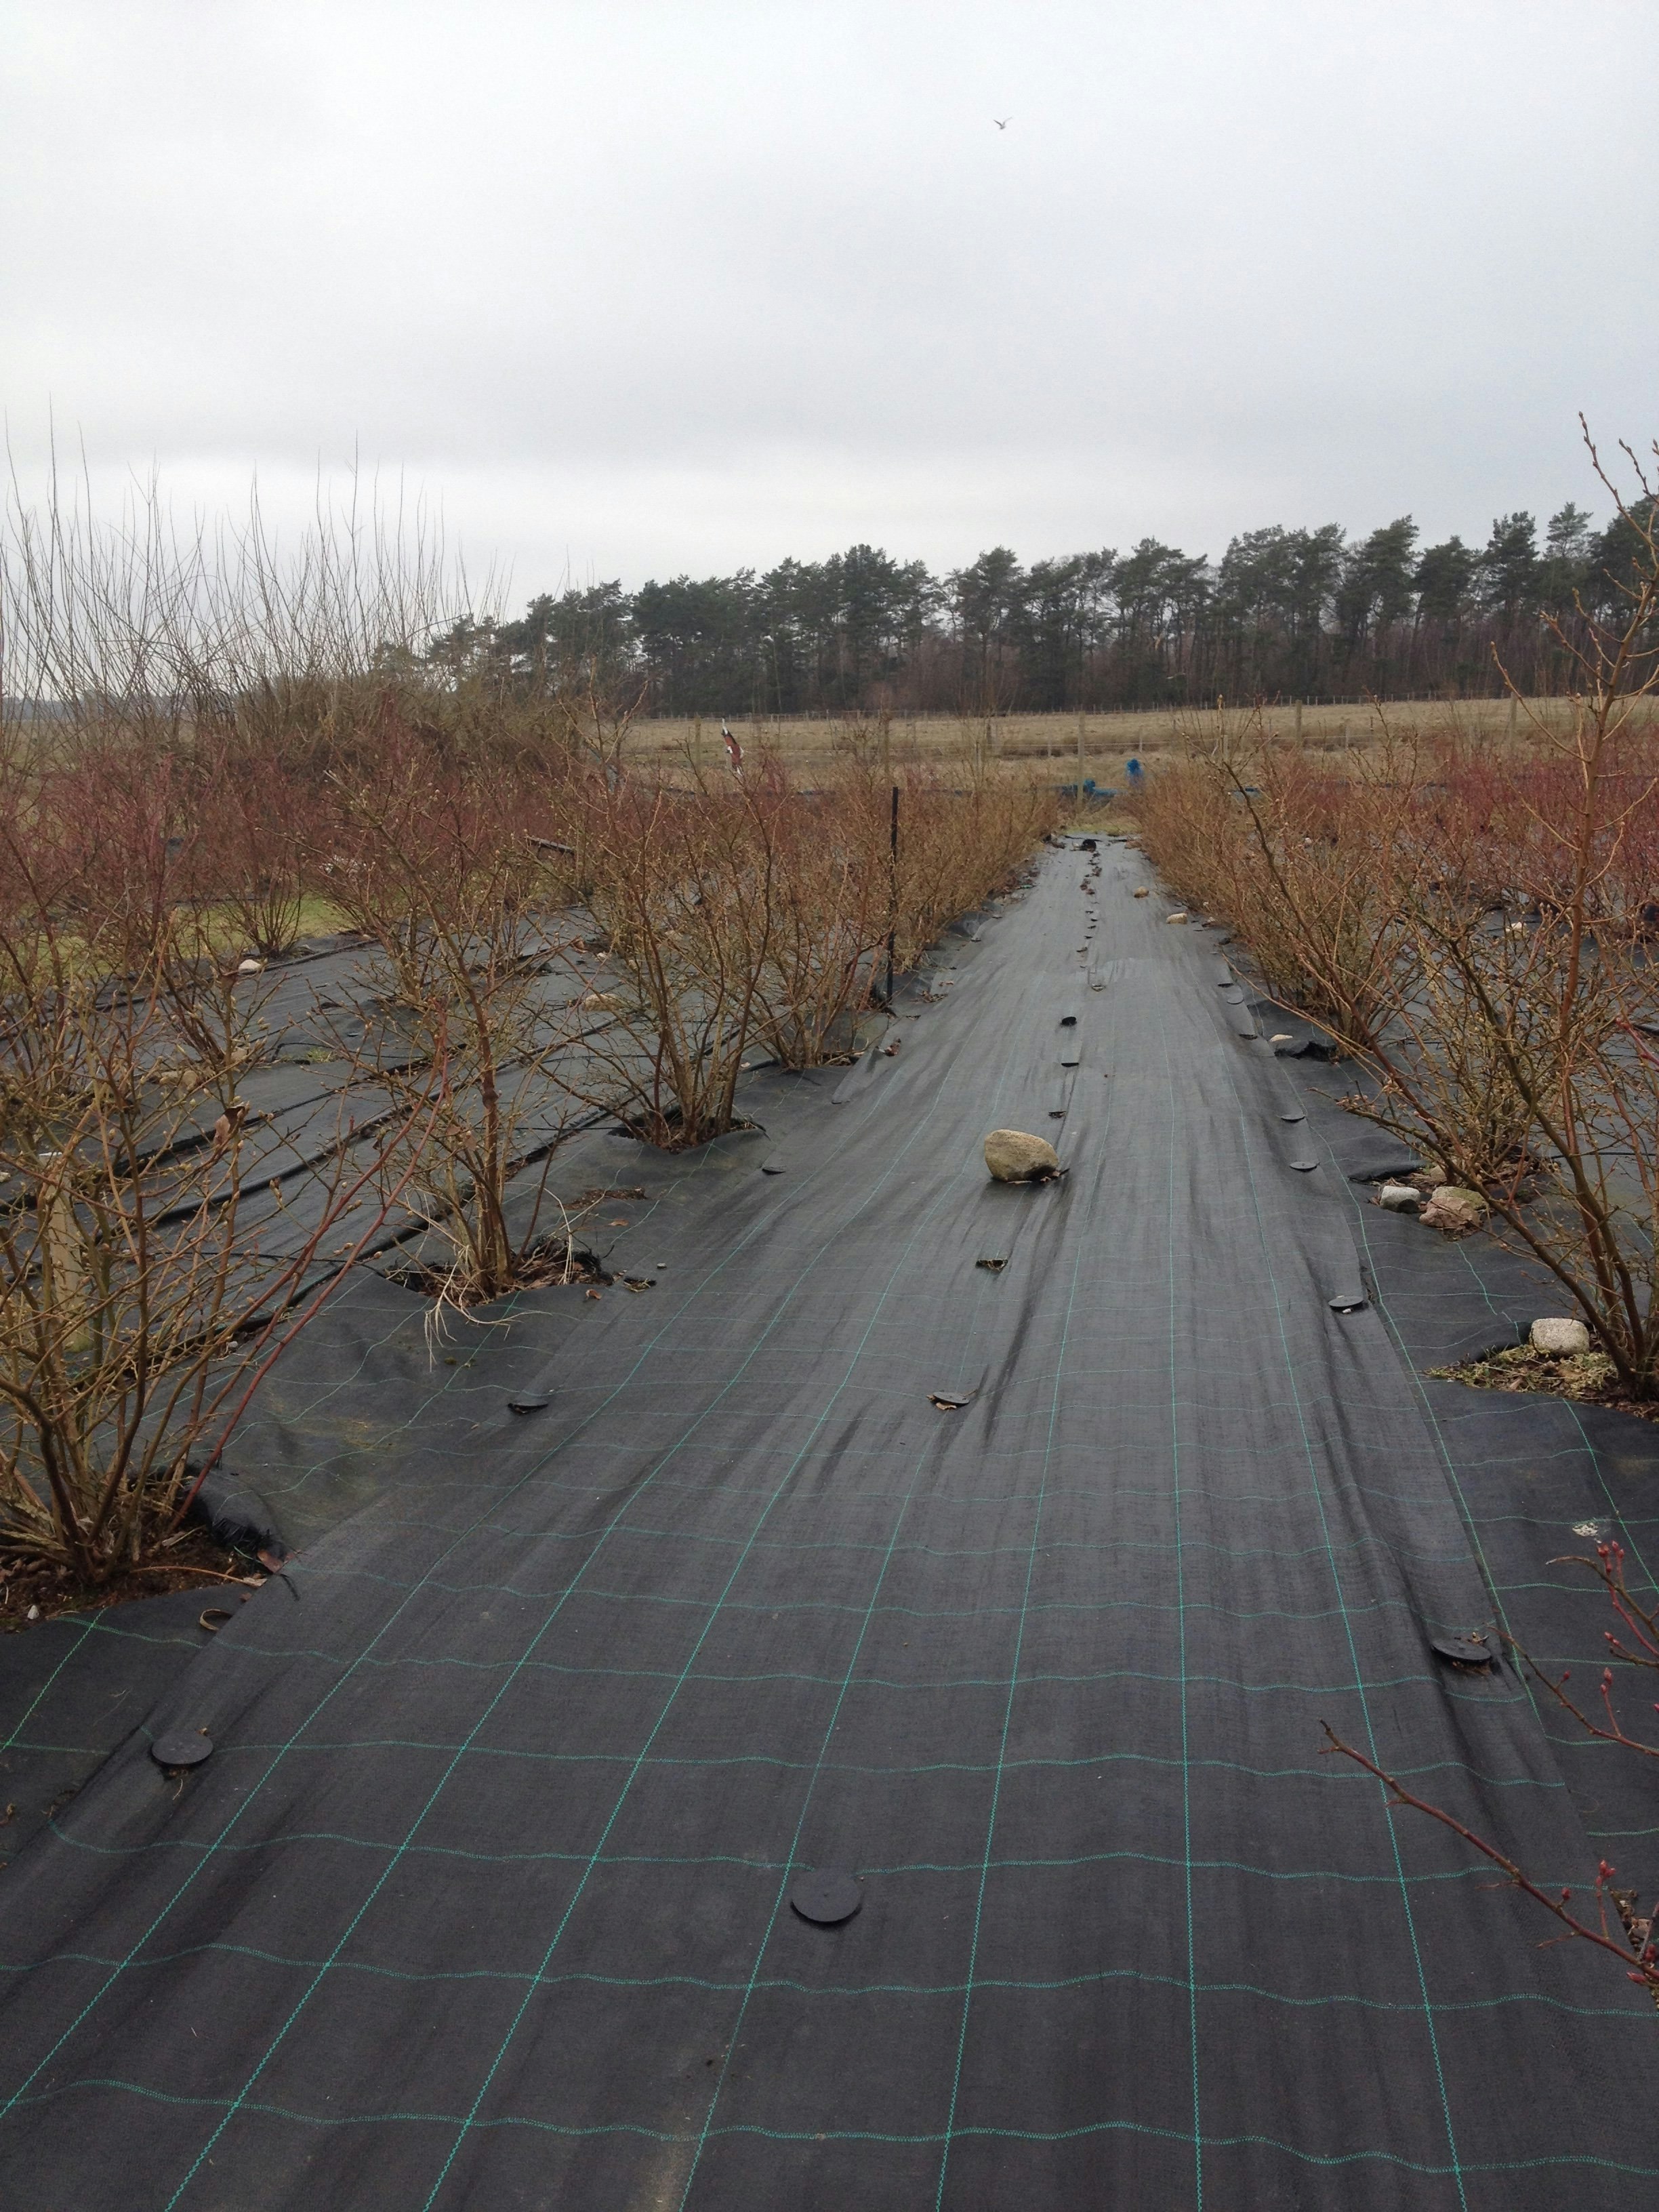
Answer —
482 1896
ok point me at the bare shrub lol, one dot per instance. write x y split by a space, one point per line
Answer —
681 882
833 907
147 1268
438 862
259 829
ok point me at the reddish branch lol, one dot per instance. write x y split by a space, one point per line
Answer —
1557 1902
1641 1625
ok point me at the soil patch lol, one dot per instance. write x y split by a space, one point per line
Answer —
31 1591
1589 1377
669 1137
549 1262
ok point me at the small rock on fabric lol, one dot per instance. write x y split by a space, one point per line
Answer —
1474 1198
1558 1336
1454 1210
1014 1157
1400 1197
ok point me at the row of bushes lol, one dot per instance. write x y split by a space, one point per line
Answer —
1478 927
149 1266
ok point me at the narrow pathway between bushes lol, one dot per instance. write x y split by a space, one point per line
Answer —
484 1895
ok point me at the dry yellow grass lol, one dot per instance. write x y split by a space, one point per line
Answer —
1044 744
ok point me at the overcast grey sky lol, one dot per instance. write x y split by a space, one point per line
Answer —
629 287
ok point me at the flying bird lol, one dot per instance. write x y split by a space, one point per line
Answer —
1002 121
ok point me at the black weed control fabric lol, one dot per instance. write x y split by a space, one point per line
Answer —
1538 1480
73 1690
482 1897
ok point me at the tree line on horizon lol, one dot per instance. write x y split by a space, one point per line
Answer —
1283 614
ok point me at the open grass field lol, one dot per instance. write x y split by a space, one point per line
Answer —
1037 742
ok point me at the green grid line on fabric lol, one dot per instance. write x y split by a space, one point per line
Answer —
1059 1863
1099 1606
1086 1979
716 1762
1092 1678
1567 2160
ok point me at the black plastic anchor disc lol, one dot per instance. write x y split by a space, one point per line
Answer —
181 1750
1464 1650
826 1898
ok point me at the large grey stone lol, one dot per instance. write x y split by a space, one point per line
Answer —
1012 1156
1560 1336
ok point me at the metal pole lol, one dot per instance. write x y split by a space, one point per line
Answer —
892 895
